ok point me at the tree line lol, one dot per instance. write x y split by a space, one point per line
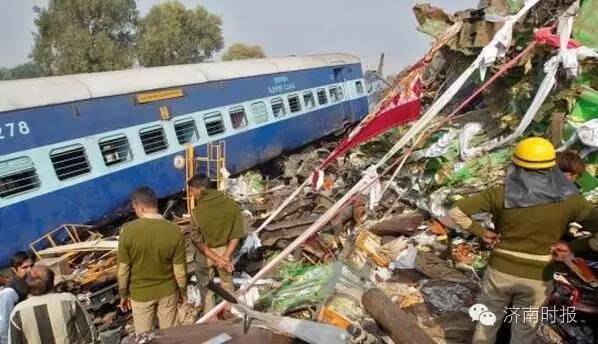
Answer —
86 36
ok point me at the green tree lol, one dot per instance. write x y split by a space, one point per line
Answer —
78 36
4 73
240 51
24 70
172 34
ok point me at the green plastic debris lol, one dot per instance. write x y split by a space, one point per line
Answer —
587 182
514 5
586 106
479 263
302 285
584 26
482 168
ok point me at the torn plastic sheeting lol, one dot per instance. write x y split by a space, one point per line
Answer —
588 133
469 131
375 194
569 60
437 200
245 186
394 247
447 296
405 260
546 86
374 190
502 39
441 146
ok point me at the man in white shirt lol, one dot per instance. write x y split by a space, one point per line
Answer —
15 292
8 300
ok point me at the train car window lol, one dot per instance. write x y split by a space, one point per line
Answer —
294 103
237 117
259 112
17 176
186 131
309 100
214 123
359 87
69 162
322 97
278 107
333 94
153 139
115 149
336 93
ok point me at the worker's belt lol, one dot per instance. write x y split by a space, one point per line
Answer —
537 257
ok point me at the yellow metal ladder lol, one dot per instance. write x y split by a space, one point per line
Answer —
215 157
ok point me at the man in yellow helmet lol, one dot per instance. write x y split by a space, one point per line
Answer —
531 212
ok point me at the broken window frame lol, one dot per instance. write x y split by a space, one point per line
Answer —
279 104
308 98
295 106
19 178
153 144
70 161
259 115
238 117
359 87
336 93
322 96
116 147
211 118
186 133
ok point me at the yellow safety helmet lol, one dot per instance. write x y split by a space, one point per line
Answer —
534 153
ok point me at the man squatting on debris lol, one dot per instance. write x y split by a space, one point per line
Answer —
48 317
152 272
219 224
531 212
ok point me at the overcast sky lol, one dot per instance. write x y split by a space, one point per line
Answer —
281 27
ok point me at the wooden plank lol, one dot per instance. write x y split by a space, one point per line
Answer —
86 246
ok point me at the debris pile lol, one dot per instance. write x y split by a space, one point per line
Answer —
385 263
394 235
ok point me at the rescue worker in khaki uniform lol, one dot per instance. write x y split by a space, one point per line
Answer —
531 212
152 271
219 225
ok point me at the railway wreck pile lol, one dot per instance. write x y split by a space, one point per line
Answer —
369 252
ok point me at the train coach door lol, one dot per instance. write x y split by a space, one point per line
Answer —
340 76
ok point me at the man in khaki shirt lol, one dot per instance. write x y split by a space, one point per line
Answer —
531 211
219 226
152 274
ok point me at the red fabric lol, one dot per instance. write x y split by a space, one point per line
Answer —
545 36
401 114
404 107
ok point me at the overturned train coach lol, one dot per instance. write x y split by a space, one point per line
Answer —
73 148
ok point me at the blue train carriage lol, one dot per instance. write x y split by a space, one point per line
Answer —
73 148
